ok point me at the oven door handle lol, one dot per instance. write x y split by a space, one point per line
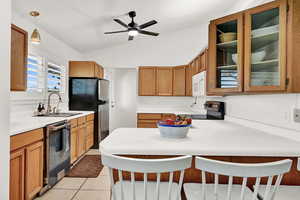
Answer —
55 128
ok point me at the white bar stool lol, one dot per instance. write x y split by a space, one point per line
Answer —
285 192
230 191
146 190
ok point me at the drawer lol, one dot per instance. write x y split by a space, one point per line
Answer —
149 116
81 120
168 116
24 139
73 123
147 123
90 117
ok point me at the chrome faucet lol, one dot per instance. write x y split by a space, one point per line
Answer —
49 110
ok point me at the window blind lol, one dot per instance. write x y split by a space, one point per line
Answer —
56 78
35 77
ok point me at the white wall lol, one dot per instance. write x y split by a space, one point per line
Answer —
123 98
53 50
168 49
5 15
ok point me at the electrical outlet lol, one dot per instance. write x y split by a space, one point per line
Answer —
297 115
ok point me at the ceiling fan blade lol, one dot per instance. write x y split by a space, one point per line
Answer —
148 33
150 23
116 32
130 38
121 23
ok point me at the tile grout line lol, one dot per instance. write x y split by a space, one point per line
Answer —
79 188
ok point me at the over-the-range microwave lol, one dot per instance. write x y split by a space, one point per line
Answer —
199 84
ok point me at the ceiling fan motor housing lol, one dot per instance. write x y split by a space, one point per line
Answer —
132 14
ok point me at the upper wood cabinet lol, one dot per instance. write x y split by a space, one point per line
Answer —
265 47
85 69
179 77
262 57
225 74
19 54
188 80
164 81
147 81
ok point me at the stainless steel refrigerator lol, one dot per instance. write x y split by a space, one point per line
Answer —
91 94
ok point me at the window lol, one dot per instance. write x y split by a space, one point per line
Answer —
35 77
56 78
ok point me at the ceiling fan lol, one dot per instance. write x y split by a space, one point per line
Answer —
133 28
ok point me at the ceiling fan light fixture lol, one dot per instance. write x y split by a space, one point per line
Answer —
35 37
133 33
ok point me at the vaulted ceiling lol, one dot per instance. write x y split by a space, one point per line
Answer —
81 23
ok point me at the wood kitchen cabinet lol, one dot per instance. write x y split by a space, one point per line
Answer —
179 76
188 80
263 57
164 81
88 69
147 81
268 73
73 145
19 54
82 136
34 169
149 120
224 75
81 140
90 132
17 170
26 164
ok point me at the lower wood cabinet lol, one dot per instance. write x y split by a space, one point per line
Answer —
73 145
34 169
81 140
82 136
26 165
149 120
90 134
17 170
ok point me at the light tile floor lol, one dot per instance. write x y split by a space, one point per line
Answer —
81 188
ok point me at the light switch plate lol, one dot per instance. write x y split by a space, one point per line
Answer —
297 115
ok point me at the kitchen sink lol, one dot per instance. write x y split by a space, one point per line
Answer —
58 114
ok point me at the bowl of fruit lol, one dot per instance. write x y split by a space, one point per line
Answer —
174 128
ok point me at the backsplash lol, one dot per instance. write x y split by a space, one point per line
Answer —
163 102
28 106
275 110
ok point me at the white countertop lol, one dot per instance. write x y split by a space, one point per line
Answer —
23 123
208 138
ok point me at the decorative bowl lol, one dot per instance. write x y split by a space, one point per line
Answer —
258 56
228 37
235 58
173 131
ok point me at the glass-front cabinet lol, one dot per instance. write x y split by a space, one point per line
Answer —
265 47
247 51
225 73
